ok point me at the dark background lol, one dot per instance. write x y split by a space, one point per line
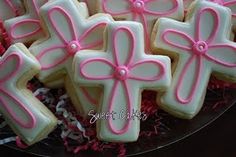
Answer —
216 140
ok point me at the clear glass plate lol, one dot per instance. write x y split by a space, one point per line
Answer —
169 129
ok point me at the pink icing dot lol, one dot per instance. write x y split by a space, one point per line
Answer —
200 47
138 5
73 47
121 72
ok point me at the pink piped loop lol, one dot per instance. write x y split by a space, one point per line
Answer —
71 42
121 69
227 3
138 9
34 22
6 95
73 47
138 6
200 48
70 39
121 73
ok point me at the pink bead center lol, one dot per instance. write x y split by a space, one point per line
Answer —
138 6
200 47
121 72
73 47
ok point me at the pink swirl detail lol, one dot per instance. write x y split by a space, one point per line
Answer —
121 73
138 8
5 80
198 48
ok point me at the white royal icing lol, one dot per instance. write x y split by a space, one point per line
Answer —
123 70
26 28
231 4
30 119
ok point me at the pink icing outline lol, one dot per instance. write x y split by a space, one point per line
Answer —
62 37
36 21
79 39
20 24
129 65
5 80
13 8
142 13
226 4
88 96
197 55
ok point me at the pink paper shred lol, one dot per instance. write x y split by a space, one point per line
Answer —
89 140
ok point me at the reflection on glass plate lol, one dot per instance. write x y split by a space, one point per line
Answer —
159 130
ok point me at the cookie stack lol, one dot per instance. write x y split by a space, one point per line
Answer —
106 52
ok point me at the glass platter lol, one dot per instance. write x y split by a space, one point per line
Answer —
168 131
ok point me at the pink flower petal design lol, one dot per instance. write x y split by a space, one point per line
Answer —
146 30
105 71
87 36
187 71
20 25
156 12
185 42
54 51
106 68
146 75
126 46
115 90
122 7
7 98
215 51
8 62
60 28
25 33
201 20
14 62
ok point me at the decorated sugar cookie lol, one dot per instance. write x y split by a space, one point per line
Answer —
29 119
201 47
26 28
69 32
123 71
230 4
10 9
144 11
